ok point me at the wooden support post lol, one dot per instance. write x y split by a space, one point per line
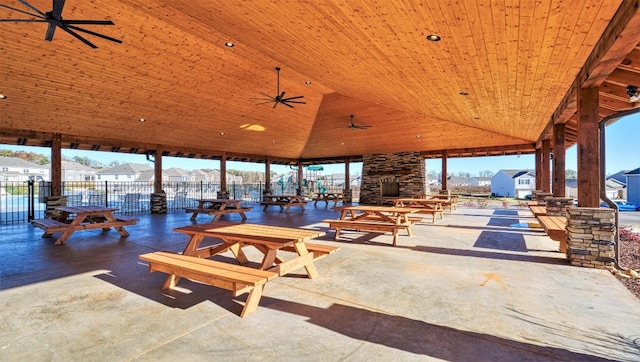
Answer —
300 176
588 148
444 170
56 165
545 167
559 155
267 176
347 180
157 171
538 169
223 176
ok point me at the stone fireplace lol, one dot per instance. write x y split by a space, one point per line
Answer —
387 176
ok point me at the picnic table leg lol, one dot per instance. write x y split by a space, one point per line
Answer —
63 238
251 305
244 217
312 272
193 216
395 236
269 259
236 250
121 230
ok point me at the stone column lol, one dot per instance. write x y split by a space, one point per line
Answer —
158 202
591 237
541 197
557 206
51 203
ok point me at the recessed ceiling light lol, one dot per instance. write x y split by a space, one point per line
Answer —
229 44
221 133
418 136
142 120
2 96
274 142
433 37
307 82
342 143
464 93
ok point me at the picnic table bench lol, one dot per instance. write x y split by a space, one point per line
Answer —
373 218
538 210
217 208
555 227
425 206
283 201
328 197
236 278
87 218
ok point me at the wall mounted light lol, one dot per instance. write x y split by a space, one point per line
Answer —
433 37
632 92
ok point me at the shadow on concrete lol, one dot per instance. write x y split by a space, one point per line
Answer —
421 338
501 241
491 255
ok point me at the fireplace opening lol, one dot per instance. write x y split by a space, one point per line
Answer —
390 188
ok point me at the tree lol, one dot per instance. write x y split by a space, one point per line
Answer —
486 173
570 174
114 163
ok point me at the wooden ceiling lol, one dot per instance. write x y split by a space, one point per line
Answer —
501 75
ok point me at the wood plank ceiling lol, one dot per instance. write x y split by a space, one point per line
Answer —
501 73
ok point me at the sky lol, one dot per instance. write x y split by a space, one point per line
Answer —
622 145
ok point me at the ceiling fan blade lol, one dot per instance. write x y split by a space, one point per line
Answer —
275 104
50 30
88 22
296 97
22 11
266 95
57 9
287 104
94 34
22 21
281 96
288 101
32 7
77 36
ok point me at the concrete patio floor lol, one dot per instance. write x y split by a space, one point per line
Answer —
468 288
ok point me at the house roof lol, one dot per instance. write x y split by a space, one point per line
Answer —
519 173
633 172
69 165
18 162
619 176
495 83
125 169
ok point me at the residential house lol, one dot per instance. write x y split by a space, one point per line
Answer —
17 169
124 172
458 181
480 181
74 171
513 183
633 186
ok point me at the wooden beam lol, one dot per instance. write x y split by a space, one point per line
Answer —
223 175
56 165
347 176
157 170
538 168
588 148
444 169
618 40
267 176
545 166
300 177
559 161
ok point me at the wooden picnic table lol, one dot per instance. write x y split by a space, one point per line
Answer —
426 206
267 239
86 218
283 201
328 197
218 207
374 218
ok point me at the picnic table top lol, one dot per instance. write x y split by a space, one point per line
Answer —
251 232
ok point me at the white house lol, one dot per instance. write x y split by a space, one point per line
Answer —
124 172
513 183
633 186
17 169
74 171
480 181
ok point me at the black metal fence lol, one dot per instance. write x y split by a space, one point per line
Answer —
21 202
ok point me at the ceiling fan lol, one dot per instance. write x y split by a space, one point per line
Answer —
279 98
54 19
357 126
